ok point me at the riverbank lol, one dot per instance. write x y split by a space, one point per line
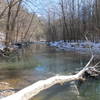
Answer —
49 61
5 89
81 47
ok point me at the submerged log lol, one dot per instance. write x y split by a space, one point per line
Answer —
32 90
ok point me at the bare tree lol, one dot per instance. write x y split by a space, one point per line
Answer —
65 26
26 33
11 21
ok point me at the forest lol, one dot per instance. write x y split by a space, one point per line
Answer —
66 20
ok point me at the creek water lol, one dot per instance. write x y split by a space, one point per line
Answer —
39 62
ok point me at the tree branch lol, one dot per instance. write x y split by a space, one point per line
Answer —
34 89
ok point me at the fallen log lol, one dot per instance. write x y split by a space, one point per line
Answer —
32 90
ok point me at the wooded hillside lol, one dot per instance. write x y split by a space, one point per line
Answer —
18 24
66 20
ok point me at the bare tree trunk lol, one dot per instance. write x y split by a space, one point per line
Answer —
14 21
2 13
8 24
32 90
4 10
65 27
26 33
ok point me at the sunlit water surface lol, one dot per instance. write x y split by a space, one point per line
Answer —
41 62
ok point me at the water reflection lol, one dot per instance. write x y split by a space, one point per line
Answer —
66 92
40 62
23 58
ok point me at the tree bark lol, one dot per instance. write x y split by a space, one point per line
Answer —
41 85
32 90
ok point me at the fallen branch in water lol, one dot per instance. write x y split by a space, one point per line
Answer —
34 89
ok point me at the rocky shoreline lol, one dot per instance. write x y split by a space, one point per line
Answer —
6 89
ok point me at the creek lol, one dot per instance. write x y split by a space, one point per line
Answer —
39 62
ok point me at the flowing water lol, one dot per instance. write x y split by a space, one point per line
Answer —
41 62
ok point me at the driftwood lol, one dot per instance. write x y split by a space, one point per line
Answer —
34 89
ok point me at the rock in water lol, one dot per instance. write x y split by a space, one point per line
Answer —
5 89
